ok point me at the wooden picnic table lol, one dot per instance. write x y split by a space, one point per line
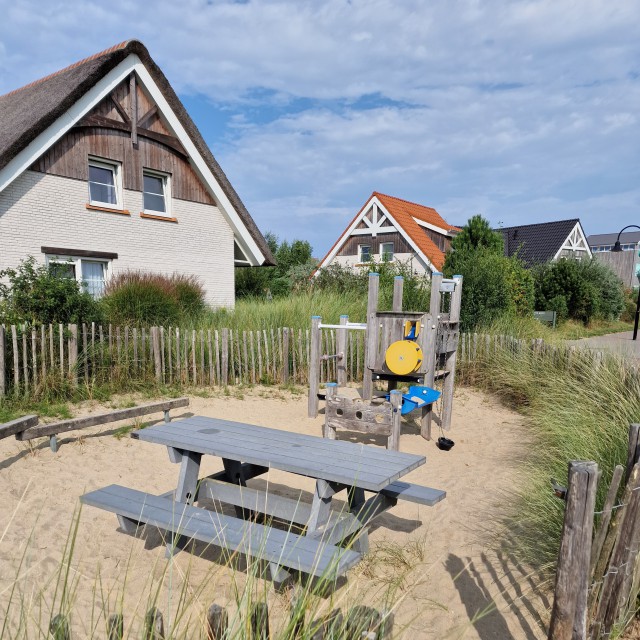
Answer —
248 451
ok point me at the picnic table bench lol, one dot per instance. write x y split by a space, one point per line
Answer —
330 541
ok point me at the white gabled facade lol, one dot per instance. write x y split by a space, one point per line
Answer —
575 246
43 210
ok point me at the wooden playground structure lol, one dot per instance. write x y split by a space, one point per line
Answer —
414 347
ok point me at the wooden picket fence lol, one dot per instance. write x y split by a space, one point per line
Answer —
90 353
360 622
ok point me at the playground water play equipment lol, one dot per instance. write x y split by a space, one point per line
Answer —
414 347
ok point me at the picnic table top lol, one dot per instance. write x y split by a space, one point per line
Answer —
347 463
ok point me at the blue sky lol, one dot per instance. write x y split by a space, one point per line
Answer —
523 111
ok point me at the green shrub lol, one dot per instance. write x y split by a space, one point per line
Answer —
580 290
630 304
35 294
138 297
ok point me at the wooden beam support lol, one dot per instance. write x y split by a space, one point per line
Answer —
133 98
119 109
143 122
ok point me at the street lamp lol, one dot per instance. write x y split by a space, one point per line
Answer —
617 247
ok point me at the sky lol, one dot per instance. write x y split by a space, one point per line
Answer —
523 111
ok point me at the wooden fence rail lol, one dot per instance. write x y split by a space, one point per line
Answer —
359 622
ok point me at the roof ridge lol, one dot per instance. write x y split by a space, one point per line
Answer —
417 204
535 224
115 47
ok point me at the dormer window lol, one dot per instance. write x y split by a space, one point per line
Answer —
104 183
156 193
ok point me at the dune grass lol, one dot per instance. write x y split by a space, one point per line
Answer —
577 408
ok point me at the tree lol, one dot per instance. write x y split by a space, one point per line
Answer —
476 235
277 281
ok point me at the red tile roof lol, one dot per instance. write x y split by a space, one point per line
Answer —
404 212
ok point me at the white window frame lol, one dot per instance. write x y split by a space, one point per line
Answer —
360 260
382 252
166 183
116 169
77 263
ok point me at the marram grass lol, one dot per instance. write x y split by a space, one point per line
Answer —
578 407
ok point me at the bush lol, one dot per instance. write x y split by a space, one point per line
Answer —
37 295
493 284
151 298
580 290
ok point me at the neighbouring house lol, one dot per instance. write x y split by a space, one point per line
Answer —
392 229
626 263
545 241
103 170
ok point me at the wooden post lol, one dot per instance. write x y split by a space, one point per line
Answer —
332 392
59 627
371 335
451 357
133 101
428 343
153 625
314 367
633 450
616 583
260 621
341 347
155 337
393 441
115 627
569 614
225 357
217 622
285 354
398 285
73 353
16 359
3 381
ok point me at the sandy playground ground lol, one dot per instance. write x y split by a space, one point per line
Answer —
453 583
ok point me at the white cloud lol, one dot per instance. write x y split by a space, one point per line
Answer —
521 110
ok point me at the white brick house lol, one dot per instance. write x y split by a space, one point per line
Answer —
102 170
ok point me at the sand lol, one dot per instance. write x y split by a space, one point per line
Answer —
451 581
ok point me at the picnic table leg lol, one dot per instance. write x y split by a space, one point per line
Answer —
320 506
235 475
186 490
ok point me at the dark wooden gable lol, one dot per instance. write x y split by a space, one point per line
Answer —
145 142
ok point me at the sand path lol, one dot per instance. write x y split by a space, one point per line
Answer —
441 556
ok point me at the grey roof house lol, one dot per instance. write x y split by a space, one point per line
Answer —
625 264
103 170
545 241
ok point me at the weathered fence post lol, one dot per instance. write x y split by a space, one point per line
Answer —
369 347
224 336
398 285
115 627
260 621
569 614
341 348
73 353
155 338
153 625
285 355
217 622
314 367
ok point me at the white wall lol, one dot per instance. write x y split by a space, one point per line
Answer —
416 263
39 209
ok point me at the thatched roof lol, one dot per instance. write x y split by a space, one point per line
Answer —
26 112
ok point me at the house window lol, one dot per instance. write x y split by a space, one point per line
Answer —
364 253
104 183
90 272
156 192
386 251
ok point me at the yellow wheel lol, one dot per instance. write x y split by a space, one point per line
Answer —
403 357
